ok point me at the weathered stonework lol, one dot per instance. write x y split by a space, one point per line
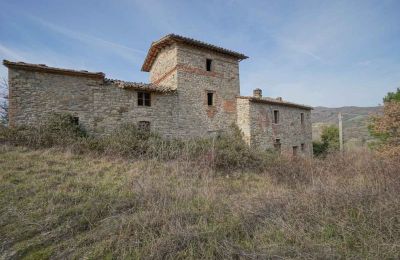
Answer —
180 106
256 120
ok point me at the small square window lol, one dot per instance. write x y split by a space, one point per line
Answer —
295 150
277 145
276 117
75 120
208 64
144 126
302 118
210 98
144 99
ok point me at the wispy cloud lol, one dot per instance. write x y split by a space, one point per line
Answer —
8 53
364 63
122 51
296 47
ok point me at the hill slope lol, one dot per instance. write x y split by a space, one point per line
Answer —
57 205
355 122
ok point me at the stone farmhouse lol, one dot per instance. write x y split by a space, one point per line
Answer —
194 91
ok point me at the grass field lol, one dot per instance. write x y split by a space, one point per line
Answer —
56 204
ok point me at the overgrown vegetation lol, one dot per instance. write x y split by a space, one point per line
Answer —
135 195
225 152
386 128
329 141
62 205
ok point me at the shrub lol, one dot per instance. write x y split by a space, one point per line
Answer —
58 130
226 152
232 153
329 141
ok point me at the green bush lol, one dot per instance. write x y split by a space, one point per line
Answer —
329 141
225 152
59 129
232 153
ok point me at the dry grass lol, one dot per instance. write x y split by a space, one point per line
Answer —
60 205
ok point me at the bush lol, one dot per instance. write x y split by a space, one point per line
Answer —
226 152
329 141
232 153
58 130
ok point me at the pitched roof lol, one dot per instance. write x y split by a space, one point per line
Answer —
84 73
272 101
45 68
171 38
138 86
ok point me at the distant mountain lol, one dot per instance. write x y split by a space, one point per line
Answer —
355 122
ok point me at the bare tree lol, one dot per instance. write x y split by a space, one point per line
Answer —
3 101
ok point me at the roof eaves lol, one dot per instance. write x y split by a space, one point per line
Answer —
275 102
148 87
170 38
54 70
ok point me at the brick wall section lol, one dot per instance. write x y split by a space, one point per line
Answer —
262 132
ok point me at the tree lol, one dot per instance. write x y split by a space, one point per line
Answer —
386 128
329 141
392 96
3 101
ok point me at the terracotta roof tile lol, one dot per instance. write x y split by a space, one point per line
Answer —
138 86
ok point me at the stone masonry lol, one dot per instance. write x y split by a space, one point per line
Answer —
194 91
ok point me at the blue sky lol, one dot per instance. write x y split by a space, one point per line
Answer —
320 53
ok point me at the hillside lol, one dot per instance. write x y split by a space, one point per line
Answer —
355 122
59 205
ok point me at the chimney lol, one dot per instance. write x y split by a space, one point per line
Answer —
257 93
279 98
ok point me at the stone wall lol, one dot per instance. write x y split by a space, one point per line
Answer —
163 71
34 95
195 116
114 106
100 106
243 118
262 132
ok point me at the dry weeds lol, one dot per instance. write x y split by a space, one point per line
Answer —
62 205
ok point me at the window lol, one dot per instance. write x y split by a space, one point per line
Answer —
277 145
276 117
144 126
303 147
294 150
75 120
210 98
208 64
302 118
144 99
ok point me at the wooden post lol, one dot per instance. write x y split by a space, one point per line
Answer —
340 132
